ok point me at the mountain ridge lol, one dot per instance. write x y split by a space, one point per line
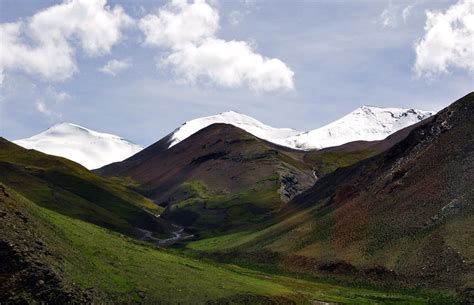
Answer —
314 139
94 149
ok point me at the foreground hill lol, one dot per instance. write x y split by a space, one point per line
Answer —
51 258
68 188
220 178
89 148
404 216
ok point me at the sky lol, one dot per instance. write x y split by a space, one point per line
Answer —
141 68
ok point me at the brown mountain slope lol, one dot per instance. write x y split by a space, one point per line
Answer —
218 179
406 214
117 168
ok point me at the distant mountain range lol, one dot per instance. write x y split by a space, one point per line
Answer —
93 149
367 123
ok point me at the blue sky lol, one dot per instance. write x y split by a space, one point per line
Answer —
298 64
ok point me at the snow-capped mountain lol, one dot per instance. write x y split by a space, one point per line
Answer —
366 123
93 149
249 124
89 148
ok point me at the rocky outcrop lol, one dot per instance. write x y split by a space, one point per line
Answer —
290 185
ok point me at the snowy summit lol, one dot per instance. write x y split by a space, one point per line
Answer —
93 149
245 122
366 123
89 148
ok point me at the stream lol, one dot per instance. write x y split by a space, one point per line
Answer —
177 234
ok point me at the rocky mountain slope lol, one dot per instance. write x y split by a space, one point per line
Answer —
89 148
407 209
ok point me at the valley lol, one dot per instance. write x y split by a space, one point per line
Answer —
236 152
225 217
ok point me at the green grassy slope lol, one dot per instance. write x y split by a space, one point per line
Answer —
68 188
116 269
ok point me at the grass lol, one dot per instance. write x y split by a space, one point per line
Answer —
327 162
206 213
247 239
125 270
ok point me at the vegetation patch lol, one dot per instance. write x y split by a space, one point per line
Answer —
326 162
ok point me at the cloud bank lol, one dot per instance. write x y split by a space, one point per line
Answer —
188 32
448 40
46 43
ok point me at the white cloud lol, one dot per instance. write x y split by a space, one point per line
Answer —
230 64
115 66
198 55
45 43
179 24
448 40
